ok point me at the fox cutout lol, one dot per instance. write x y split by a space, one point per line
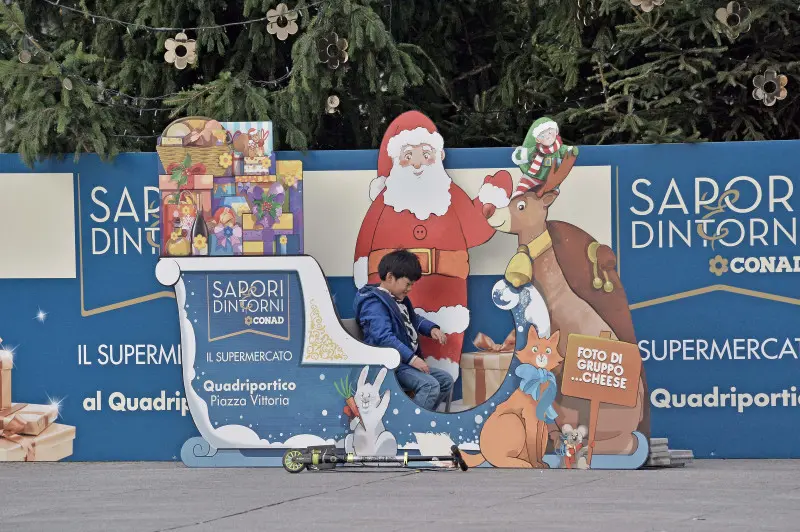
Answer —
515 435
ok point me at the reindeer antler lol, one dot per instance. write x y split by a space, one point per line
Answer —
558 176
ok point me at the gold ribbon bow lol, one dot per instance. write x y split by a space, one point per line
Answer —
11 431
519 271
485 343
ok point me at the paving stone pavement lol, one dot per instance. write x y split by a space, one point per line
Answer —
708 495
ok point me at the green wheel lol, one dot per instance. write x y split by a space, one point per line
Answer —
289 463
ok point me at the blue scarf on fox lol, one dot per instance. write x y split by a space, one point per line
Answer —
532 377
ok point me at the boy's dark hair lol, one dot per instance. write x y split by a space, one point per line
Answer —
400 263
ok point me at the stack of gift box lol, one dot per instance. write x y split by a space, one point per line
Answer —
27 431
224 193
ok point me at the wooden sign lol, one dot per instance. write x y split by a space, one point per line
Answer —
601 370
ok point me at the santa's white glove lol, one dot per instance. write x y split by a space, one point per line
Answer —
376 186
361 272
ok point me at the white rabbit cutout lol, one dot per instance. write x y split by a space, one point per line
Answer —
369 436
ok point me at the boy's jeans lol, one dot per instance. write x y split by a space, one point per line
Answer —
430 389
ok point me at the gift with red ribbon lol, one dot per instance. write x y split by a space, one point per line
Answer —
195 178
483 371
181 176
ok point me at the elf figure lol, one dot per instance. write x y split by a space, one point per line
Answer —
541 153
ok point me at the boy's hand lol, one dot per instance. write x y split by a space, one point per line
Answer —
439 336
420 365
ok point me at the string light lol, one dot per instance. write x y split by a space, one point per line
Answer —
613 50
103 18
100 86
267 83
25 56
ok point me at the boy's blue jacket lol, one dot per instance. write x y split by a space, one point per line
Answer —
382 322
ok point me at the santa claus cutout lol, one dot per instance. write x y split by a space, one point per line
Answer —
416 206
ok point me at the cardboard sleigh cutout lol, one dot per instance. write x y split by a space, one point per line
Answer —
269 367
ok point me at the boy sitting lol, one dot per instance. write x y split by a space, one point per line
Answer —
387 319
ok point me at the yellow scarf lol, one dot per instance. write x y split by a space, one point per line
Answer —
520 269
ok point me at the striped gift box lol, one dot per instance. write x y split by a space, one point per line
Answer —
260 127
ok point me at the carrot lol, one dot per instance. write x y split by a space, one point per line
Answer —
351 404
345 390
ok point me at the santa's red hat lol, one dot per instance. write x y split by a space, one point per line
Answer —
410 128
496 189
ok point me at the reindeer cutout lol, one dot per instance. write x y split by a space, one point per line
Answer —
577 278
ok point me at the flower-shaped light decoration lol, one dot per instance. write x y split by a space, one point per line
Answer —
718 265
181 51
770 87
332 50
732 18
282 22
331 104
647 5
225 160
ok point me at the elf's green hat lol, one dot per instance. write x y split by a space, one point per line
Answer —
541 125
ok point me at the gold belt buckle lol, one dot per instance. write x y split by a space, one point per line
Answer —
429 253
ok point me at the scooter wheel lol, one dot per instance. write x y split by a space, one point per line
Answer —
291 461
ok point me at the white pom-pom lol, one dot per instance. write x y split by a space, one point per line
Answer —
493 195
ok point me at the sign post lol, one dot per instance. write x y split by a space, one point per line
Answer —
601 370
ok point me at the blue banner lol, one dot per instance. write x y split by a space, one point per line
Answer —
709 258
705 237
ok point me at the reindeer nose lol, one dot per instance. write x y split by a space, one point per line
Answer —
488 210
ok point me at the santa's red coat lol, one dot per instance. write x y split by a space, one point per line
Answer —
463 226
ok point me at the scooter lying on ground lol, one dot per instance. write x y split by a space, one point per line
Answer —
328 457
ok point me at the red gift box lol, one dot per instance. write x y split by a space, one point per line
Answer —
193 182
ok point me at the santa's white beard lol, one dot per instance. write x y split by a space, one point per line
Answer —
423 195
